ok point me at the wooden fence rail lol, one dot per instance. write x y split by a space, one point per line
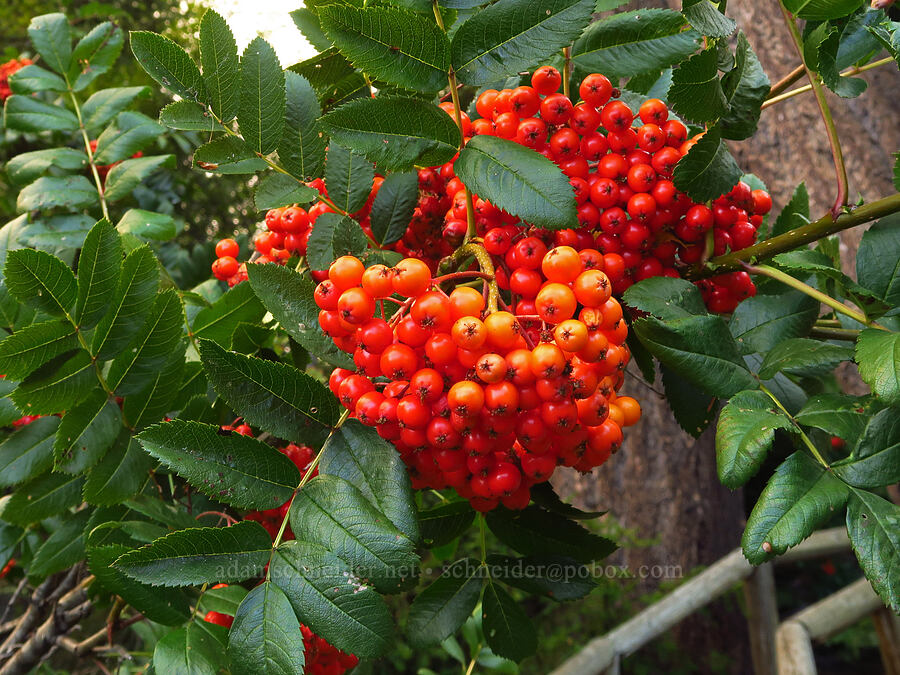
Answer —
785 650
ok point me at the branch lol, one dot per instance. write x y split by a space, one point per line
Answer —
837 155
797 237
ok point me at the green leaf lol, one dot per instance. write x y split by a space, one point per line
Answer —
858 45
168 64
391 45
218 321
282 400
821 53
187 651
795 213
227 155
71 192
221 68
838 414
631 43
127 175
261 108
86 432
544 495
439 610
762 322
28 166
873 524
95 54
148 350
888 36
188 116
708 170
120 474
132 131
147 225
307 22
875 461
804 357
27 349
61 231
131 302
302 147
276 190
159 397
201 555
746 87
707 19
693 409
878 357
28 451
395 133
62 549
10 537
52 39
360 456
393 207
508 630
225 600
56 386
323 71
333 513
99 266
699 349
266 637
231 468
289 298
879 248
333 236
348 178
25 113
45 496
328 597
536 531
518 180
821 10
799 497
666 298
105 104
696 92
744 435
553 577
163 605
444 523
32 79
514 35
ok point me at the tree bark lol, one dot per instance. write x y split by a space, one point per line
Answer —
663 485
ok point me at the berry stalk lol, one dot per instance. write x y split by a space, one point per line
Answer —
487 267
837 154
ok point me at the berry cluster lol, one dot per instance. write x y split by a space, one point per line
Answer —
288 230
7 69
321 658
620 166
488 403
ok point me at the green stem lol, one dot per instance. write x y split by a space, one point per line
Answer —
187 324
475 655
846 334
90 153
471 230
303 481
837 154
799 236
778 275
787 81
567 70
850 72
197 606
809 444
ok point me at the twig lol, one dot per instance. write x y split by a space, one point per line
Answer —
787 81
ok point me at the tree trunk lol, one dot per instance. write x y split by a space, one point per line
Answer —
662 485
